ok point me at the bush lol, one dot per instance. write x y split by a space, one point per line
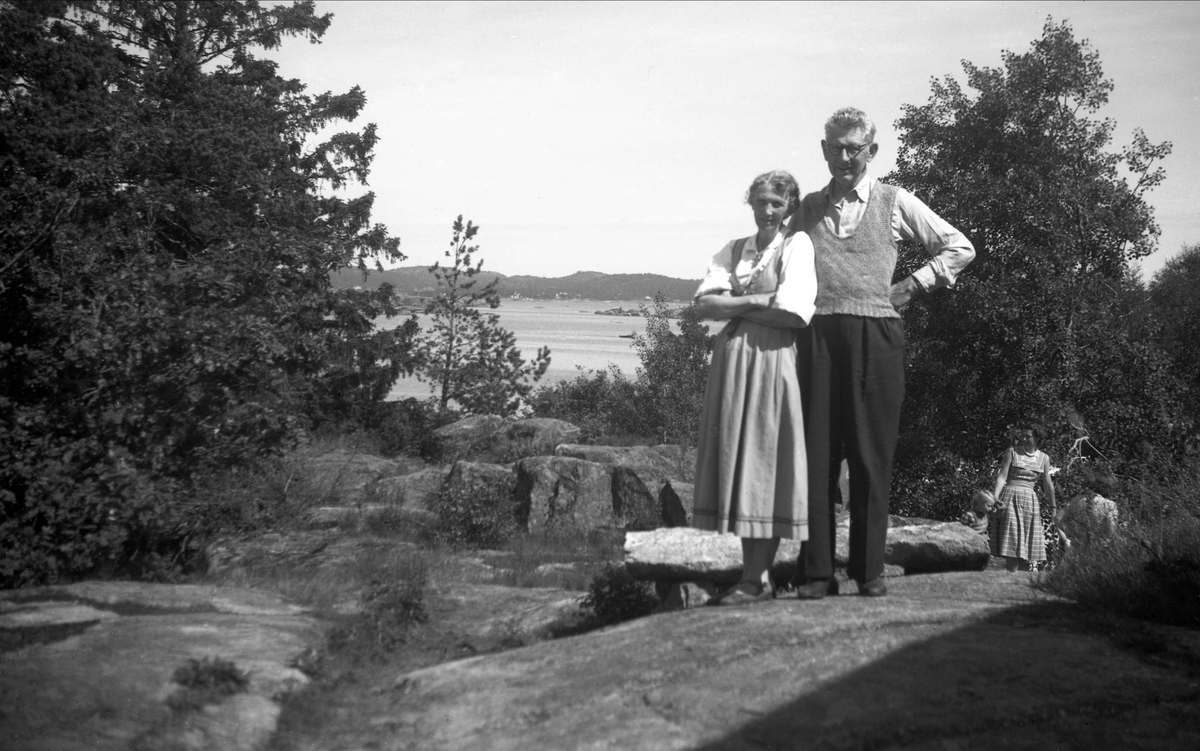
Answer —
605 405
474 515
404 427
662 406
614 597
930 483
206 681
1151 568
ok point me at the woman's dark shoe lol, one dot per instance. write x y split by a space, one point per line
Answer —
745 593
815 589
873 588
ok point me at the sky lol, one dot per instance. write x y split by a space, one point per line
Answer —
621 137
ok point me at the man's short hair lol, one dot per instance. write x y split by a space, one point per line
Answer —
850 118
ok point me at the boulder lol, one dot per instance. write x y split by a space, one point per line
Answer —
479 478
468 438
685 554
925 549
675 498
344 476
632 503
414 493
487 438
555 490
1087 519
535 436
655 465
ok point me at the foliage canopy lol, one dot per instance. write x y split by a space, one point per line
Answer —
1038 326
167 243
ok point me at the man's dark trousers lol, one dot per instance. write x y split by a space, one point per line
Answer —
852 385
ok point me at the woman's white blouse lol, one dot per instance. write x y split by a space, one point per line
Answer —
787 269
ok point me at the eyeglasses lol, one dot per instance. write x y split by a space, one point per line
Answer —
852 152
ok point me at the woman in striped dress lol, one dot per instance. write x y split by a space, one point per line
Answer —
1019 535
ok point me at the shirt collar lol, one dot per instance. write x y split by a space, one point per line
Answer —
752 245
861 192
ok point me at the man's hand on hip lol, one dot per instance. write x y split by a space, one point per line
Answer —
904 291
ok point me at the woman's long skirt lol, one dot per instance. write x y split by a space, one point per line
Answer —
751 470
1020 532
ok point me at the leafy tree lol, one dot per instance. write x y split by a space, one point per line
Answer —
466 355
1175 307
167 244
1037 326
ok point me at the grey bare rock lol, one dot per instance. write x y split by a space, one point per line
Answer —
105 685
557 490
344 476
683 554
691 555
675 499
467 438
654 465
955 660
633 504
536 436
486 438
412 492
468 478
948 546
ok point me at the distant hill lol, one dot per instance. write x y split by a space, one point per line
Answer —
585 285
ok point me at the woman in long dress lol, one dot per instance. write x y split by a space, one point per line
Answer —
1019 535
751 475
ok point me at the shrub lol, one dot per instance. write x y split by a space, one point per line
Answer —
404 427
474 515
604 404
206 681
661 406
1151 568
614 597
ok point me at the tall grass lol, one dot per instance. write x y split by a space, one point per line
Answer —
1151 567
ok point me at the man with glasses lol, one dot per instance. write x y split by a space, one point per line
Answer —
852 354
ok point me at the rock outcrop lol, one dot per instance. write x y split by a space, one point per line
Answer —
345 476
559 490
98 661
917 669
491 439
654 465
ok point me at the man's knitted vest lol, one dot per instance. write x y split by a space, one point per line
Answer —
854 274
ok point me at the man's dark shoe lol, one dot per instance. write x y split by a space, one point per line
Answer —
873 588
815 589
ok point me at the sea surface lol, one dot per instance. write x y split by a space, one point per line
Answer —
577 338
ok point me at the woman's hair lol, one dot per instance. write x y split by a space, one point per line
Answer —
1038 430
780 181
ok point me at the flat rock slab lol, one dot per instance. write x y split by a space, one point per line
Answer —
947 661
105 685
686 554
